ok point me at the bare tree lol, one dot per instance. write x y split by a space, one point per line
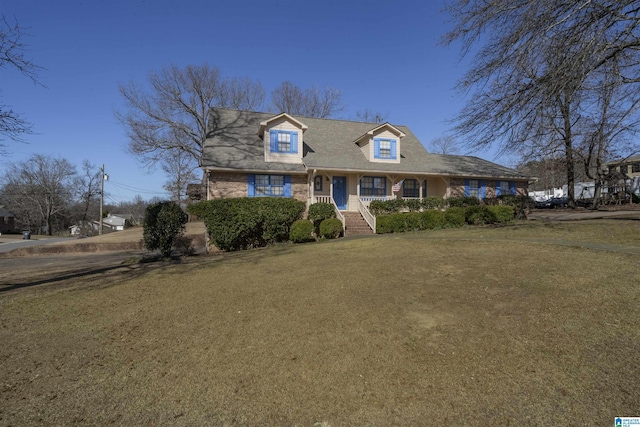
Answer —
171 116
180 169
312 102
39 191
370 117
12 54
88 187
445 145
537 66
241 94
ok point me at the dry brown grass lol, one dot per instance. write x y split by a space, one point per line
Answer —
450 328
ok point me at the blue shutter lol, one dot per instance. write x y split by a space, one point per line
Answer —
294 142
393 148
251 191
483 188
287 186
512 187
467 192
273 137
376 148
497 188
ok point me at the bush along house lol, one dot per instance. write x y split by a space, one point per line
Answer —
345 163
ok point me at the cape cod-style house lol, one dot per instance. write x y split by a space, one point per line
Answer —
345 163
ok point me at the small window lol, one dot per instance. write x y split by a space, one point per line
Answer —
317 183
283 141
635 167
624 168
384 148
504 187
474 188
373 186
612 169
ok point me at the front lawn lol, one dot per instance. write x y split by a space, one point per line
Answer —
482 326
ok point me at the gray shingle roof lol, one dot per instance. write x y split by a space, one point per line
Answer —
234 144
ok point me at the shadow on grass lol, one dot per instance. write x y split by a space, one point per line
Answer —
131 268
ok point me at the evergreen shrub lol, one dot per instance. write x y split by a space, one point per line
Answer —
163 223
301 231
331 228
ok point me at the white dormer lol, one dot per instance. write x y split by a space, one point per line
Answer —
381 144
283 139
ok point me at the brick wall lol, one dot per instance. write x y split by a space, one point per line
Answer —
457 188
233 184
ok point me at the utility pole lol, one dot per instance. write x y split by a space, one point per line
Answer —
103 179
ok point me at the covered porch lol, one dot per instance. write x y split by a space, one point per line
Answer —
353 192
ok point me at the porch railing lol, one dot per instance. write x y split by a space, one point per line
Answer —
366 214
329 199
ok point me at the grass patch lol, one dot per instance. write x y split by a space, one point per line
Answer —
471 326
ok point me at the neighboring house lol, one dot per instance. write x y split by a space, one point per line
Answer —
115 222
7 221
346 163
629 166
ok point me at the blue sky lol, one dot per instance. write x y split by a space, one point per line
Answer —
382 55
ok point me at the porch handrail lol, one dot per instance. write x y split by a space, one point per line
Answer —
329 199
367 215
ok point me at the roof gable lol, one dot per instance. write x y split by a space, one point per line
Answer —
282 116
381 128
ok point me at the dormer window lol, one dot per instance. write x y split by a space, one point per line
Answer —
283 141
384 148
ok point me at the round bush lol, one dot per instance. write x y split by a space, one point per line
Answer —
479 215
331 228
301 231
163 223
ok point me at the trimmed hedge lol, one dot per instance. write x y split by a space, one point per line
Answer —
434 219
454 217
301 231
462 202
242 223
331 228
503 213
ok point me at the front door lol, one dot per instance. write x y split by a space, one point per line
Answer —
340 191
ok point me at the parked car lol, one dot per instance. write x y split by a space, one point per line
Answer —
552 203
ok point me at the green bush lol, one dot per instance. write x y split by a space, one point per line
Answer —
413 205
433 202
479 215
454 217
301 231
318 212
392 223
242 223
331 228
502 213
163 223
386 207
432 219
463 202
413 221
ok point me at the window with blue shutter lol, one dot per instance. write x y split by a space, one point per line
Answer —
474 188
384 148
498 188
483 189
283 141
512 187
269 186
